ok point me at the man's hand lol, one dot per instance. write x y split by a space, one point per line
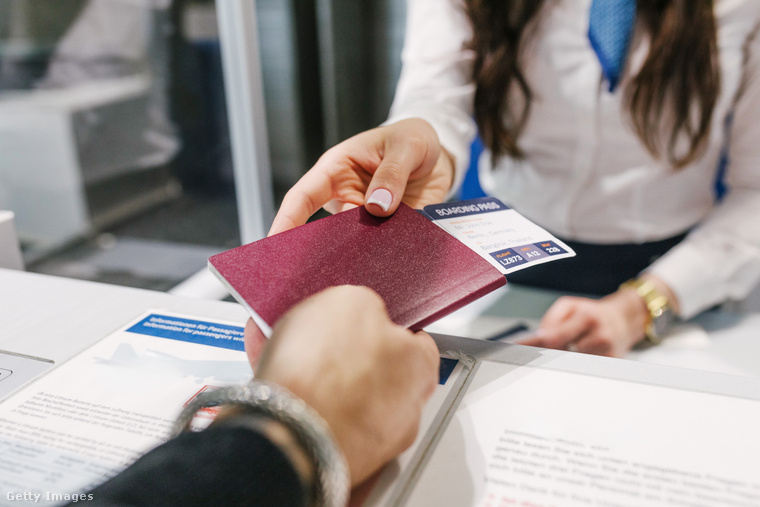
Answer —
366 376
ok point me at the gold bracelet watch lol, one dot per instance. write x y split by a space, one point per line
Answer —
660 312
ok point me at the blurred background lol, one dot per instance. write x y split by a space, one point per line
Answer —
115 137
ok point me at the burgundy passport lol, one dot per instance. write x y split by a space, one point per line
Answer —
421 272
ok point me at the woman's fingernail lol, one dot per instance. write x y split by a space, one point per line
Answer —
382 198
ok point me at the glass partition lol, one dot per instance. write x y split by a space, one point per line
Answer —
114 124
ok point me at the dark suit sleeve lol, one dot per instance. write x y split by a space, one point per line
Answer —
219 466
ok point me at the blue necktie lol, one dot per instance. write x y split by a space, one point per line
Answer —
609 30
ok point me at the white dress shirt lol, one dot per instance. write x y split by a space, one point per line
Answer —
586 175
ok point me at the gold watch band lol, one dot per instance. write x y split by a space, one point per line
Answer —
656 303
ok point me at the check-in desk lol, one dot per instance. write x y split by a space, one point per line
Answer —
644 419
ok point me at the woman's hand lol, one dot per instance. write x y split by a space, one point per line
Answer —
366 376
378 168
610 326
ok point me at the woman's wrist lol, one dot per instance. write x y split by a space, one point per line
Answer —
634 312
665 290
648 300
447 162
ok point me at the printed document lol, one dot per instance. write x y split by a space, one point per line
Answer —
534 436
104 408
92 416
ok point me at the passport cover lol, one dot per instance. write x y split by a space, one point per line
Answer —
421 272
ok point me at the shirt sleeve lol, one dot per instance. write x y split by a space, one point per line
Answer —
436 76
720 259
219 466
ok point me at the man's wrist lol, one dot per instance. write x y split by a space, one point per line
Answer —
276 432
331 475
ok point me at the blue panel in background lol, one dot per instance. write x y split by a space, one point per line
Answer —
447 366
471 186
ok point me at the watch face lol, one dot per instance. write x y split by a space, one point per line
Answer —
661 323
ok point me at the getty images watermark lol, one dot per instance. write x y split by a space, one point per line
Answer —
28 496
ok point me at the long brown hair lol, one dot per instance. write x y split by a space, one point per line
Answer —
672 96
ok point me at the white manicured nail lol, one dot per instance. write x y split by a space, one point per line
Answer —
382 198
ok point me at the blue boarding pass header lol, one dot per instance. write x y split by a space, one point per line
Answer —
191 331
465 208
